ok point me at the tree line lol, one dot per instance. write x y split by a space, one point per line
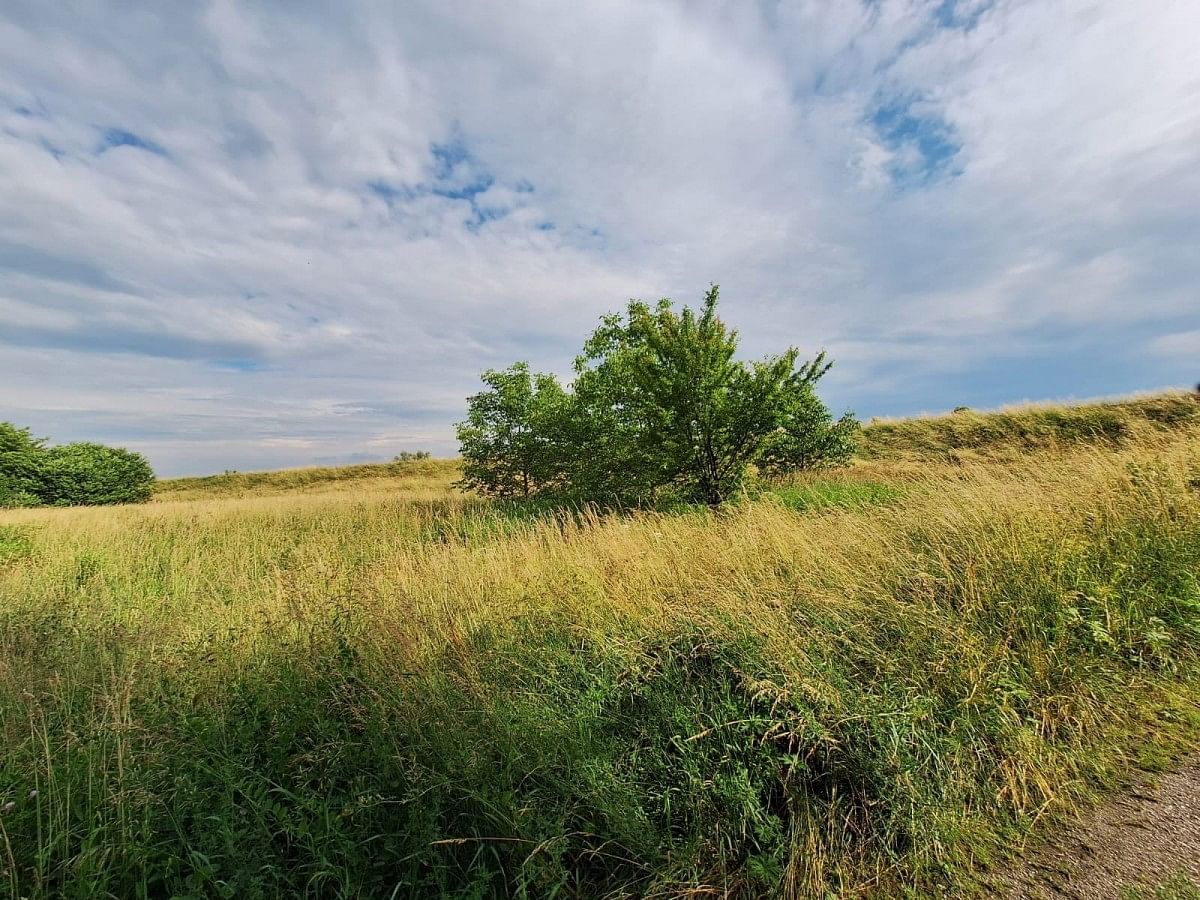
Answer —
659 408
79 474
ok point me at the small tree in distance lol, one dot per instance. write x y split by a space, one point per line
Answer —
412 456
659 404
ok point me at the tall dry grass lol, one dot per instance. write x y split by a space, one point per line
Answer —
1033 426
828 689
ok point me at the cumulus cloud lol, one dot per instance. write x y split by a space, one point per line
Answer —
240 235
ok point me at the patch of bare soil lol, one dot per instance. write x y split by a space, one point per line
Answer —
1141 837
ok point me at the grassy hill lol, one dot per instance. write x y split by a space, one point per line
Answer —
358 682
1042 426
412 474
1011 430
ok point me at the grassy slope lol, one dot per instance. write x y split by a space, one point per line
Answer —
408 476
1033 426
371 689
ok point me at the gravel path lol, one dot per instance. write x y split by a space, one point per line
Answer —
1141 836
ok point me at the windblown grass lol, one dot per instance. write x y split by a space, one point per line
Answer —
1034 426
364 693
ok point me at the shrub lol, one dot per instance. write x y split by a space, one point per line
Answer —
412 456
32 474
808 437
17 498
85 474
20 454
699 417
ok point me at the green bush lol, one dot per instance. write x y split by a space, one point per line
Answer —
808 437
412 456
87 474
32 474
20 456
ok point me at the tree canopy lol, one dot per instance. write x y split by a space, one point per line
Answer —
659 405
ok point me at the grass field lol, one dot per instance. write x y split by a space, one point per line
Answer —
863 682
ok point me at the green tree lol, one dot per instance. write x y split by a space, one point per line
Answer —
511 439
20 461
610 454
85 474
699 416
807 436
659 405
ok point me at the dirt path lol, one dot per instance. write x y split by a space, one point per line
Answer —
1142 836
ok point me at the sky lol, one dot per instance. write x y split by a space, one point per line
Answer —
243 235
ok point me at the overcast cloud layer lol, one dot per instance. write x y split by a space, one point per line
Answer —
240 235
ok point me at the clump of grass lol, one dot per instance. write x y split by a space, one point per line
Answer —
15 543
827 494
373 693
1036 426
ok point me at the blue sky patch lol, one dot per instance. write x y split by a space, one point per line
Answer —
455 173
119 137
964 14
390 193
925 145
468 191
238 365
448 155
52 150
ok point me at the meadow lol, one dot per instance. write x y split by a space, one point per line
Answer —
362 682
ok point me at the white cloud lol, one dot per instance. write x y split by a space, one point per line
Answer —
358 207
1183 344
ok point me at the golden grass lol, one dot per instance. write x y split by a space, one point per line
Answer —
1016 429
255 562
896 624
421 478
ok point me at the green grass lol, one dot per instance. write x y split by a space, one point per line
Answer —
818 495
15 543
357 693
